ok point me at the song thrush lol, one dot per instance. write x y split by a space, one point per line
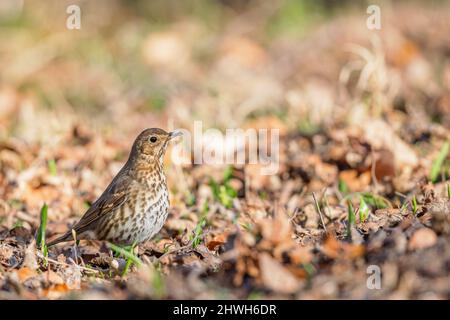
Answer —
134 207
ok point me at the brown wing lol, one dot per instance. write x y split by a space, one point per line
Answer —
112 198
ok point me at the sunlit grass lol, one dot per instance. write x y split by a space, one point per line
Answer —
351 218
439 162
126 252
364 210
224 192
40 239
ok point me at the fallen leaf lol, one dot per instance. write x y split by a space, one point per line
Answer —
334 249
216 241
422 239
354 181
53 278
301 255
277 229
26 273
331 247
275 276
30 260
56 291
381 135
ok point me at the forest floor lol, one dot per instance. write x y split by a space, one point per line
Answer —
364 174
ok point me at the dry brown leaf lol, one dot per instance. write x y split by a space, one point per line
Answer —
353 251
354 181
278 229
56 291
53 278
275 276
422 239
381 135
301 255
331 247
30 260
334 249
216 241
26 273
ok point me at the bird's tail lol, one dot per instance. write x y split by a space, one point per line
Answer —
65 237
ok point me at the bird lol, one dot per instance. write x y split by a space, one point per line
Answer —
135 205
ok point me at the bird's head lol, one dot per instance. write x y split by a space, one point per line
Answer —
151 144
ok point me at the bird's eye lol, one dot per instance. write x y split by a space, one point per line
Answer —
153 139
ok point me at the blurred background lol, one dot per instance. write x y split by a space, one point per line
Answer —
164 63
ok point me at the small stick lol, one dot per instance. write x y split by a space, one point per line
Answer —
189 245
66 264
319 211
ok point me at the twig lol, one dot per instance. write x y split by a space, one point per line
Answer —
401 195
319 211
296 211
189 245
327 205
66 264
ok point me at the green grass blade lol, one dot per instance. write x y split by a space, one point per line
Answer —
414 204
439 161
228 174
198 231
52 167
342 187
351 218
363 210
42 228
126 254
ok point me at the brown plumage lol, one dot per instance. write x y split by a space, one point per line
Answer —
134 206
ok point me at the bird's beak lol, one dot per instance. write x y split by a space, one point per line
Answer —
174 134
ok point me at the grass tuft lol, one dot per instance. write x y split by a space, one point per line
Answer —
126 252
196 237
364 210
224 193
